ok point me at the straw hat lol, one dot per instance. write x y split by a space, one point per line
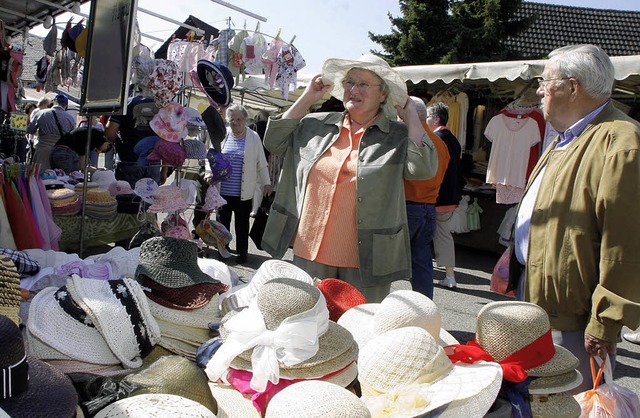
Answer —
269 270
119 310
167 198
185 298
170 123
340 296
231 403
555 384
402 308
506 327
171 262
10 295
32 388
173 375
404 372
145 187
335 70
316 399
199 317
559 405
295 315
58 321
155 405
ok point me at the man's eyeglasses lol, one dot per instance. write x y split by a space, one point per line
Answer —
543 83
348 84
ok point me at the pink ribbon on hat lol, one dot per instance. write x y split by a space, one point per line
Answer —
515 366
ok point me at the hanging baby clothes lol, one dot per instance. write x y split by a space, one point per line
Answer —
236 58
270 61
511 140
459 218
289 62
252 48
222 45
185 54
473 215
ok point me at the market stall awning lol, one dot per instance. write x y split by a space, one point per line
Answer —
19 14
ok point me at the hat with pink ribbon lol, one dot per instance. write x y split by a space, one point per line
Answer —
170 123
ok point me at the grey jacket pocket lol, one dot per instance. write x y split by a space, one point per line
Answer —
388 247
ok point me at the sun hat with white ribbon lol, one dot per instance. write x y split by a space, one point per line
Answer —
269 270
335 70
405 373
316 399
119 310
155 405
402 308
285 327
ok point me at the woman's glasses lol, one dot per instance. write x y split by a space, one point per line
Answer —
362 86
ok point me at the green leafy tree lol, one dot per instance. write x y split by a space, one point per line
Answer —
450 31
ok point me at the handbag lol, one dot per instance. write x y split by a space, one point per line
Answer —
260 221
500 275
607 400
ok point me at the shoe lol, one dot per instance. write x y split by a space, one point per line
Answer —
632 337
449 282
241 259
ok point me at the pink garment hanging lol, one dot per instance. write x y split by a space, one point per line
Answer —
6 235
18 218
27 208
55 232
270 61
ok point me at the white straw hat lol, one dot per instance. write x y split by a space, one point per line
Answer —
405 371
231 403
155 405
58 321
335 70
316 399
269 270
402 308
559 405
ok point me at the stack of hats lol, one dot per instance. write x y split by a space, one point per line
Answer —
30 387
182 298
402 308
89 323
64 202
100 204
517 335
284 336
10 295
80 188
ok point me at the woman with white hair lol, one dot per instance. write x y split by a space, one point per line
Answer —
340 199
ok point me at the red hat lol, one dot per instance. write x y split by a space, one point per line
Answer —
340 296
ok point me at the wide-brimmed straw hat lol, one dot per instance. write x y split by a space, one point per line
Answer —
335 70
155 405
30 387
340 296
558 405
269 270
316 399
10 295
303 338
119 310
402 308
231 403
171 262
405 373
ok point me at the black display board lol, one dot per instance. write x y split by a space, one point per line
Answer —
108 59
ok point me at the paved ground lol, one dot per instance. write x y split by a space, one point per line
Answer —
459 308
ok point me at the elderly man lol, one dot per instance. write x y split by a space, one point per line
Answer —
574 234
51 125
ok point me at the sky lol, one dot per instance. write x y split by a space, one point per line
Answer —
322 28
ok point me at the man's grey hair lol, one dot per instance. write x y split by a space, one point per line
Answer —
439 110
588 64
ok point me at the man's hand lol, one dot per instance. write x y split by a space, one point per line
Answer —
597 347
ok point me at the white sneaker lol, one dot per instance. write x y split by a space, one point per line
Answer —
632 337
449 282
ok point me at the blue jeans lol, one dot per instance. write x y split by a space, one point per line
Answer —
421 218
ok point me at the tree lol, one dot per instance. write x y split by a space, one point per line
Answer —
449 31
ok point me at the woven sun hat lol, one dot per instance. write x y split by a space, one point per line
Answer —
195 149
171 262
558 405
303 341
30 387
212 199
340 296
231 403
555 384
335 70
57 320
184 298
402 308
173 375
10 295
170 123
104 178
120 187
23 262
217 81
155 405
518 333
145 187
194 118
316 399
405 373
167 198
269 270
40 350
119 310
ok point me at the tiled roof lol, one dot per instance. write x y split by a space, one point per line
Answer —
615 31
33 51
